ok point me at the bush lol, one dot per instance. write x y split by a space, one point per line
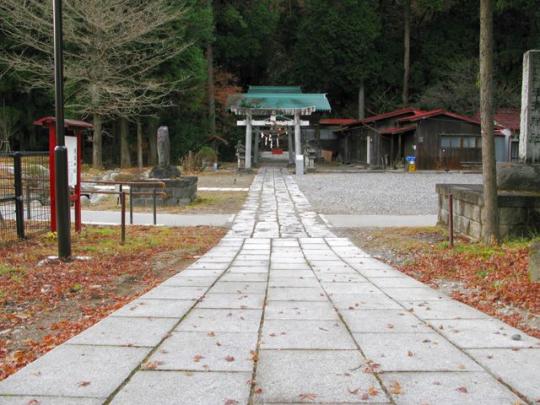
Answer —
207 155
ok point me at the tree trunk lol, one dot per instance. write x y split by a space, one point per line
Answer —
125 159
139 144
152 141
97 143
361 101
489 168
406 50
211 88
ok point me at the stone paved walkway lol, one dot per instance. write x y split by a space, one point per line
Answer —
280 312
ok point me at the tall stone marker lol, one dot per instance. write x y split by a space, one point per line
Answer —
529 141
164 169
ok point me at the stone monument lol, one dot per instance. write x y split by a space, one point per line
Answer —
164 170
525 175
518 183
179 190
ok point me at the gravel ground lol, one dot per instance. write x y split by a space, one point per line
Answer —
378 193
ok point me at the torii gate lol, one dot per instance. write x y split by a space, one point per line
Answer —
273 100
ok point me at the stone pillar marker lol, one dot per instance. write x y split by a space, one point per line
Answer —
525 175
164 169
529 141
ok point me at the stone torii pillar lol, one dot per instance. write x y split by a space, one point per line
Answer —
291 146
249 131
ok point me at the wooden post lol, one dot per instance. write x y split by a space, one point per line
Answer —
451 220
249 130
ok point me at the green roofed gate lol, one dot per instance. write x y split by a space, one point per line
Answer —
271 101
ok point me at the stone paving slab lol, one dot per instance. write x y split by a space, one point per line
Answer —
185 281
231 287
175 387
517 368
206 351
75 371
447 389
483 333
133 332
175 293
233 301
443 309
300 310
297 294
304 334
363 301
383 321
315 377
413 352
155 308
221 320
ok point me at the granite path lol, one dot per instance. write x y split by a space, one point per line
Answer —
281 311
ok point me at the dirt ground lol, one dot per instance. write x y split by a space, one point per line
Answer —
44 303
493 279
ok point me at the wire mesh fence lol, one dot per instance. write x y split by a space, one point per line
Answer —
24 194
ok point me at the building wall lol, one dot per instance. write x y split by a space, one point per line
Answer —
430 155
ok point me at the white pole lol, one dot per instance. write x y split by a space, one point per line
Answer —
299 159
297 140
368 157
248 141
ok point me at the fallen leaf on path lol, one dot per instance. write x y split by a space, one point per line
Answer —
308 397
395 388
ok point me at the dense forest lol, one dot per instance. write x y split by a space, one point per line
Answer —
133 65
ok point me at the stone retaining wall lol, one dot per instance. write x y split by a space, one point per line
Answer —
519 212
180 191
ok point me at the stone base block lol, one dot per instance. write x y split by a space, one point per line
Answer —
518 177
180 191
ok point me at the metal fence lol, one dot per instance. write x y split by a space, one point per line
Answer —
24 195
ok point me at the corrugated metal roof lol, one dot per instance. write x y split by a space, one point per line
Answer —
421 115
390 114
287 103
337 121
397 130
506 117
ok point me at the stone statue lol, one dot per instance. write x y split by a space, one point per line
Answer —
164 169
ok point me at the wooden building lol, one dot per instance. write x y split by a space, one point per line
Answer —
438 139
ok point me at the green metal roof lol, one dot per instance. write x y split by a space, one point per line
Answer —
274 89
262 100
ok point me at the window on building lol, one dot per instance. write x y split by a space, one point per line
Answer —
469 142
460 141
449 141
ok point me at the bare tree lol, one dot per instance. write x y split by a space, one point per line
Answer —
9 120
489 168
112 50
